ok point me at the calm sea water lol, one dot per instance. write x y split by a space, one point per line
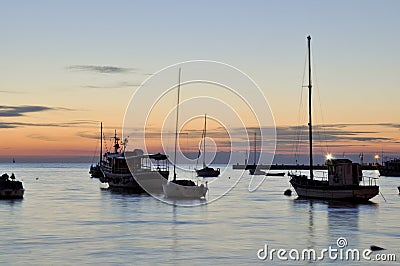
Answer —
66 218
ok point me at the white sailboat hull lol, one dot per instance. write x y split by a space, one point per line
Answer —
172 190
150 181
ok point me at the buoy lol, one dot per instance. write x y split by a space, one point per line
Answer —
376 248
287 192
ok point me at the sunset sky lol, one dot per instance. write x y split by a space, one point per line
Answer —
67 65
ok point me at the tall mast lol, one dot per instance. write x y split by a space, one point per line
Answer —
255 147
176 125
101 142
309 108
204 140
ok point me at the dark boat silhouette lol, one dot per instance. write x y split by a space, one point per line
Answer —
344 176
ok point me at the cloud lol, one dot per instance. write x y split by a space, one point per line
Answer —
340 136
78 123
42 137
15 111
10 92
100 69
88 135
116 86
11 111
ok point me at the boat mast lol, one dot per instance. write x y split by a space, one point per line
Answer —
309 108
116 139
255 147
204 140
176 125
101 142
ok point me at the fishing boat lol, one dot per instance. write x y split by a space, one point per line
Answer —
390 168
253 169
134 170
206 171
10 188
182 188
344 176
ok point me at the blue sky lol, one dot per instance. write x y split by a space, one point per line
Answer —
355 55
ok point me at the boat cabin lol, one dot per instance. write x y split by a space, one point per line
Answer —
123 163
342 172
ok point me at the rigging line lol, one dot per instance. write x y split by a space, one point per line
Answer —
300 118
95 151
199 153
105 142
320 108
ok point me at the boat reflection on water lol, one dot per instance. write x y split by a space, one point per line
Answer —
326 221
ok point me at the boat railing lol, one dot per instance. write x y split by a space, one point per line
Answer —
148 164
371 180
318 175
116 170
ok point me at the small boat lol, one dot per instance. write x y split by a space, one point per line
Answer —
182 189
275 174
10 188
206 171
95 169
398 189
390 168
253 169
134 171
344 176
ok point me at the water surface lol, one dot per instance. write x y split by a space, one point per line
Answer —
66 218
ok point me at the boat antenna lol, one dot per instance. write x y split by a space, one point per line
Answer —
176 124
204 140
116 139
309 108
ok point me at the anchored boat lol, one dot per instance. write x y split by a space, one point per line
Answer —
182 188
344 176
206 171
10 188
134 170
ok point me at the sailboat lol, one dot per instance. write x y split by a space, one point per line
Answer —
344 176
182 188
206 171
253 170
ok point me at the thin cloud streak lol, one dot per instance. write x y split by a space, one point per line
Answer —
65 124
121 85
11 92
16 111
100 69
42 137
